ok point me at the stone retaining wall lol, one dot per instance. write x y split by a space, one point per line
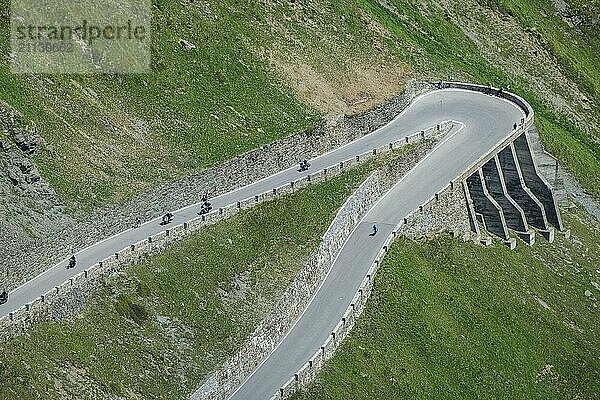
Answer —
296 297
69 298
446 211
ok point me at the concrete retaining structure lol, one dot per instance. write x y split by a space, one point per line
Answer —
513 214
533 192
535 182
508 193
533 209
488 211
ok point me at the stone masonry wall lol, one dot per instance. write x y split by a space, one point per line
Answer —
270 332
69 298
446 211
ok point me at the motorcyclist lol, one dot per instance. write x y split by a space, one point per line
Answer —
167 218
304 165
3 297
72 262
205 208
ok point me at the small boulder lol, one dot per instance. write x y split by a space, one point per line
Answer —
187 45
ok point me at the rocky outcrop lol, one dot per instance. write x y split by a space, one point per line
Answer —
23 132
29 207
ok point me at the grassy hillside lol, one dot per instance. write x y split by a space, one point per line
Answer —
261 71
458 321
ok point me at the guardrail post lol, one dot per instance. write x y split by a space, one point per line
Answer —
239 204
357 158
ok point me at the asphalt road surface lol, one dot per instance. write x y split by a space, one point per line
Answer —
481 122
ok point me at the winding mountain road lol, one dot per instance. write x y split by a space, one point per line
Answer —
481 122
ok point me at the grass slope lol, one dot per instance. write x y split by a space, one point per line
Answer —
457 321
